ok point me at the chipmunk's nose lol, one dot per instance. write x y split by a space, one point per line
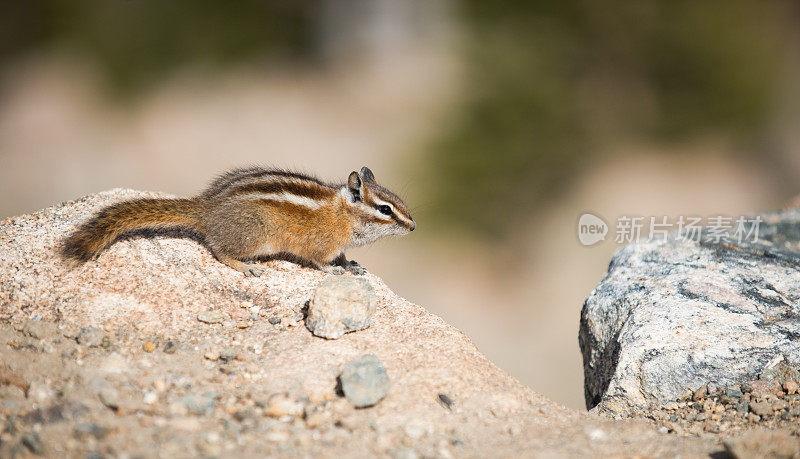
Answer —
413 225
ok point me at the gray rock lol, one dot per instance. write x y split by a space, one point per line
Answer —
91 337
340 304
671 315
364 381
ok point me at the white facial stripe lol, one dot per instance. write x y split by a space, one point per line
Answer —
400 216
303 201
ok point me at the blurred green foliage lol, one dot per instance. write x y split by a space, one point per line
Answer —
549 83
136 42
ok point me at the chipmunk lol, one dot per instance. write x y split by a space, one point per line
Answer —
246 214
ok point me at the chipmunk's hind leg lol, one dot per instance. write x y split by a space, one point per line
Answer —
248 269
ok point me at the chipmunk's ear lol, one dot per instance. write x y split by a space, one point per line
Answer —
355 185
367 175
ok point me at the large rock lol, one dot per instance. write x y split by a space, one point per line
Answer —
152 290
672 315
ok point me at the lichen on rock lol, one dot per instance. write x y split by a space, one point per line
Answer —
671 315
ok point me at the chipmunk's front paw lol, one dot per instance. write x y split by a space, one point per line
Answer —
355 268
253 270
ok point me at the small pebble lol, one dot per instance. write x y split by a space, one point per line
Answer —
790 386
228 355
149 346
91 337
170 347
212 355
150 397
199 404
211 316
446 401
274 320
364 381
761 408
242 324
110 397
83 430
280 405
32 441
700 393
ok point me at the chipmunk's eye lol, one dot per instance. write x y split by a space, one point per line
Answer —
385 210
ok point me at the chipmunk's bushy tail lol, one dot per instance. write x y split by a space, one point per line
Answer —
108 224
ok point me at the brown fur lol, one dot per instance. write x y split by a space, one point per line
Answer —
237 225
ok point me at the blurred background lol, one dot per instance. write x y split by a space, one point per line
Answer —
498 122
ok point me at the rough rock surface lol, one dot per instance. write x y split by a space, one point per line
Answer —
340 305
671 315
214 393
364 381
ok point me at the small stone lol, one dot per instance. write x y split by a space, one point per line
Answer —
733 392
40 392
32 441
212 355
149 346
712 388
228 355
170 347
700 393
91 337
671 406
84 430
274 320
316 419
764 389
780 372
445 401
364 381
743 406
779 404
341 304
38 329
200 404
686 396
242 324
761 408
109 396
280 405
149 398
211 316
790 386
